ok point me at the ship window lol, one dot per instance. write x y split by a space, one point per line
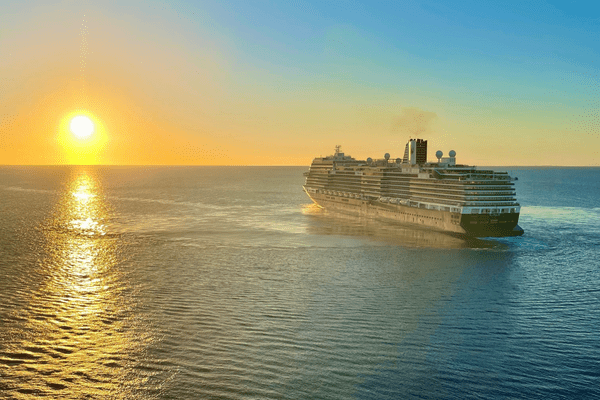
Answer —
475 211
485 211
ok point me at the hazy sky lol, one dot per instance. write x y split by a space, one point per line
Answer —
280 82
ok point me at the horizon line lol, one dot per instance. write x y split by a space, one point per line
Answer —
257 165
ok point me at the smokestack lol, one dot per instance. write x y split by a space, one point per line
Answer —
421 156
415 152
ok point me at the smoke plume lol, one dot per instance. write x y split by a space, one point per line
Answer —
414 122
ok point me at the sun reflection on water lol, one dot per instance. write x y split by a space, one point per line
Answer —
81 337
85 208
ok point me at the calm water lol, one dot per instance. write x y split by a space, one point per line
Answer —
223 282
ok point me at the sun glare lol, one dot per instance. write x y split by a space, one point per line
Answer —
82 136
82 126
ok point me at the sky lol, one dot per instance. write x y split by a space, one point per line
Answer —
282 82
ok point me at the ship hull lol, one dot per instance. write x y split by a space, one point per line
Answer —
444 221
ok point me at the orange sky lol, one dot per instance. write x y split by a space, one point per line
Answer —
228 83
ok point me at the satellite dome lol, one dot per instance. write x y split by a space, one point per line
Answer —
369 160
387 156
439 154
398 161
452 153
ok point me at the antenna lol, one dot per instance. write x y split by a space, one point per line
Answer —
337 149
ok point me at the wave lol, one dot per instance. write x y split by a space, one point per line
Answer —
170 202
563 215
27 190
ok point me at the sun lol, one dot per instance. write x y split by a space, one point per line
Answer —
82 126
83 137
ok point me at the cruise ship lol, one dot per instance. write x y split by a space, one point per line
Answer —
443 195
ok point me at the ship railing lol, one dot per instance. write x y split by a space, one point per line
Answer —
489 203
437 174
491 211
488 177
418 204
433 206
471 175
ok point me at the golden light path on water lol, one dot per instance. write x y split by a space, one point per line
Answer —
81 339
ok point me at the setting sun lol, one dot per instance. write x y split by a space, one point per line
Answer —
81 126
82 136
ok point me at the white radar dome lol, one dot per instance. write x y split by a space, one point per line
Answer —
452 153
439 154
387 156
369 160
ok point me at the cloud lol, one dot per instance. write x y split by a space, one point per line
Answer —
414 122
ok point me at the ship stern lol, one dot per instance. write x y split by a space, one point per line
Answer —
488 225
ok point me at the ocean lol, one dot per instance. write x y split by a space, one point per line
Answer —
226 283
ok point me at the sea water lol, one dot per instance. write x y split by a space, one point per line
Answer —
225 282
